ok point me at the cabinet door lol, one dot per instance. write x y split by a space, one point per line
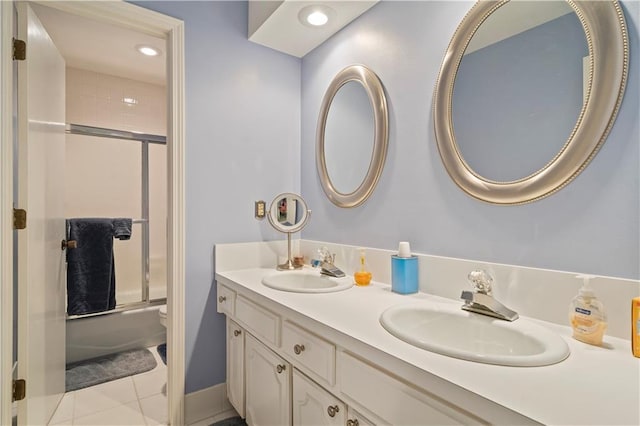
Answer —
268 386
313 405
356 419
235 366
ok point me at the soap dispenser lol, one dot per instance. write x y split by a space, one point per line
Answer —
586 314
362 277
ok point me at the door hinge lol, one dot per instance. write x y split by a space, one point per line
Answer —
19 219
19 390
19 50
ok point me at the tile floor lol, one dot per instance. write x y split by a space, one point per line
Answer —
130 401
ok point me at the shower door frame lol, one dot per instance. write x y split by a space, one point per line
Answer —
144 139
150 22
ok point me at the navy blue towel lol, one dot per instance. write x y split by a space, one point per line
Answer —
91 280
122 228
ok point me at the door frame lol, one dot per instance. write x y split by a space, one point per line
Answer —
150 22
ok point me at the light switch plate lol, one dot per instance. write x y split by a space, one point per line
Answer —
259 210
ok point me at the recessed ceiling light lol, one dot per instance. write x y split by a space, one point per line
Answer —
317 18
316 15
148 50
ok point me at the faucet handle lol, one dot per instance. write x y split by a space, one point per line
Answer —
481 281
326 255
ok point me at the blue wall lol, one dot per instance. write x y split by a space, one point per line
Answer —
242 144
590 226
515 102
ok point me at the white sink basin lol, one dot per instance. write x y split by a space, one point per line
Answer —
306 282
448 330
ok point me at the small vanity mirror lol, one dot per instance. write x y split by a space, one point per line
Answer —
352 136
288 213
527 94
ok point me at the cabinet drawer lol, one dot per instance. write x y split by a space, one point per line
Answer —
308 350
226 300
393 400
262 322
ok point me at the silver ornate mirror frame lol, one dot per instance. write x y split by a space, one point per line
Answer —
375 91
606 34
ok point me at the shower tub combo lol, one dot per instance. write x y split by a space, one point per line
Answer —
134 323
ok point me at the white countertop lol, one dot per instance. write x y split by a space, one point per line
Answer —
595 385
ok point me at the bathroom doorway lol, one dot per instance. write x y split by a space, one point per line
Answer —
169 31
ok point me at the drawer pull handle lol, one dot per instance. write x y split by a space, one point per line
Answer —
352 422
222 299
332 410
298 349
236 332
280 368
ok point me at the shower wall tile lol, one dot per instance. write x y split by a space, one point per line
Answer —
95 99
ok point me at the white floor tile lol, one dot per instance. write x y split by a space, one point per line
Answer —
64 412
130 401
226 405
121 415
154 409
104 396
221 416
204 422
68 422
151 383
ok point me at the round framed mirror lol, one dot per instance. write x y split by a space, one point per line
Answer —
352 136
527 94
288 213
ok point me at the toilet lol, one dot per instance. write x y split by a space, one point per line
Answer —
162 313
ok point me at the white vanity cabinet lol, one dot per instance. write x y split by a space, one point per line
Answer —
268 385
235 366
314 406
296 374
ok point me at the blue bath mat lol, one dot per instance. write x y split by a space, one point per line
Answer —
162 351
110 367
233 421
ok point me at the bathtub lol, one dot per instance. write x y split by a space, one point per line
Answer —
95 336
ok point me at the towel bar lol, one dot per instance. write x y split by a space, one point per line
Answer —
71 244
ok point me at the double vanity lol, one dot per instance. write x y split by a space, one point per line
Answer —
308 349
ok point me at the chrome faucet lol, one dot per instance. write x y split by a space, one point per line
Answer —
327 263
481 301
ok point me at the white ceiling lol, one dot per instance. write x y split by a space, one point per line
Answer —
104 48
275 24
95 46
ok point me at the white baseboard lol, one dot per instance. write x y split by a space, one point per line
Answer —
207 403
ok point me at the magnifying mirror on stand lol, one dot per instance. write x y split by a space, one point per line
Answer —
288 213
